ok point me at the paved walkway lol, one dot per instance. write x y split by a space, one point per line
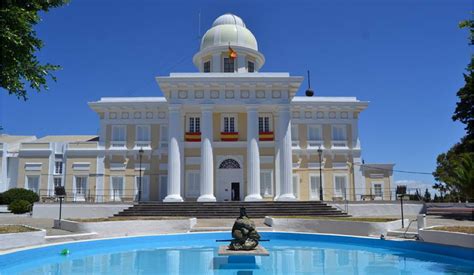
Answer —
208 224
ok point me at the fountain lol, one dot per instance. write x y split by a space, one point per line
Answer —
244 246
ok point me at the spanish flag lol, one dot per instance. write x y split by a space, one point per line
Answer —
232 53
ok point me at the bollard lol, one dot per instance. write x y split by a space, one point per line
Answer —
421 222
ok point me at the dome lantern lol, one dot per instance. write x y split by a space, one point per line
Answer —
228 34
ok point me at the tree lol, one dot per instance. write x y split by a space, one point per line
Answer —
427 196
19 66
464 176
451 165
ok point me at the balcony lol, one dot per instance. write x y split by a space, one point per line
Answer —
315 144
295 144
339 144
266 136
192 136
229 136
118 144
142 144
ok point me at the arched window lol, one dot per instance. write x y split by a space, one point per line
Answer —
229 164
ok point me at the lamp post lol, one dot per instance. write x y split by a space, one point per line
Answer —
60 193
309 91
140 154
320 153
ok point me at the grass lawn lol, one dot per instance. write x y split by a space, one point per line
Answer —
5 229
349 219
460 229
114 219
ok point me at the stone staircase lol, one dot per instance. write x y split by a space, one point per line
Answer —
231 209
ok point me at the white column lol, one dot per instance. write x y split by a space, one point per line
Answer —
253 156
216 63
284 147
277 158
174 155
207 159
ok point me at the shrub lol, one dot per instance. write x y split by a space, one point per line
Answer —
1 199
19 194
19 206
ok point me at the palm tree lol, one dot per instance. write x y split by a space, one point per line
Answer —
464 176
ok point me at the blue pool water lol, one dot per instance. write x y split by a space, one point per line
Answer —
290 253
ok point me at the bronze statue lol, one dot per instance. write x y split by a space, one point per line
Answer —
244 233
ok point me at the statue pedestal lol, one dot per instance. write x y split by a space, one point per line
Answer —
240 259
258 251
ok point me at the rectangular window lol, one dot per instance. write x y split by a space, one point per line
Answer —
192 184
194 124
229 124
163 186
315 184
339 132
228 65
378 189
295 137
33 183
116 188
315 133
145 184
264 124
118 135
340 186
294 132
58 167
207 66
80 188
163 135
296 186
339 137
250 67
143 133
266 183
58 182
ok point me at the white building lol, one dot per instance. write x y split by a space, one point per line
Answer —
227 132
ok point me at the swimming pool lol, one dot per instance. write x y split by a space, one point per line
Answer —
290 253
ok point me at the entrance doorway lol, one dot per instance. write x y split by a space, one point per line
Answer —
235 191
229 177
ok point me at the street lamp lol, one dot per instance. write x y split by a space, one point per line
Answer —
60 193
140 154
309 91
320 153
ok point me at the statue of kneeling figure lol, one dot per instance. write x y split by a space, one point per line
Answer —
244 233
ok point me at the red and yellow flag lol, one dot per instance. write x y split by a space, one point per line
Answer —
232 53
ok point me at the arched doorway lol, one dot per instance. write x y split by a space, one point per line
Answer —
229 178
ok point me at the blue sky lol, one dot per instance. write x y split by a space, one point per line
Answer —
406 57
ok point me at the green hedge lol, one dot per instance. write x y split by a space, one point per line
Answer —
19 206
15 194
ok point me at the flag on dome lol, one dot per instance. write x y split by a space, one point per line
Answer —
232 53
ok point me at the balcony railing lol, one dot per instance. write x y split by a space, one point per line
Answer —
339 144
193 136
117 144
315 144
266 136
295 143
229 136
142 144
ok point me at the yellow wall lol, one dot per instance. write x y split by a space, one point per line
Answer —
71 173
43 173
